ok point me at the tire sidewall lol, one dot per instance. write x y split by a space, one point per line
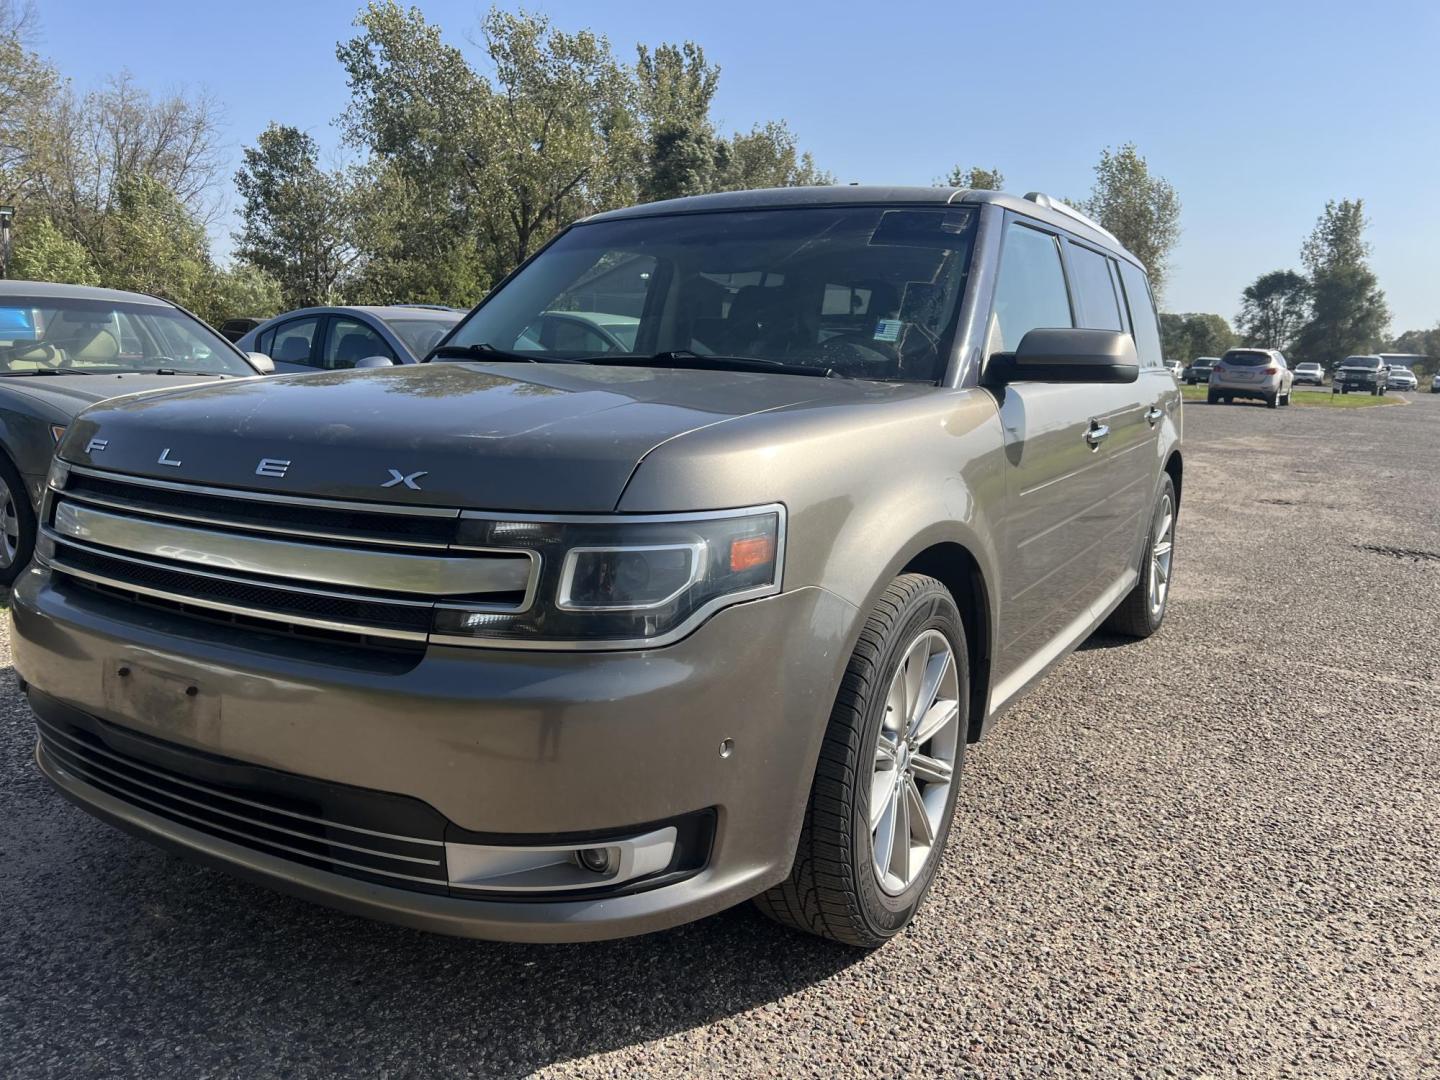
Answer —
25 516
1167 487
931 609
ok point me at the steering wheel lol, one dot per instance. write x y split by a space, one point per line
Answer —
49 355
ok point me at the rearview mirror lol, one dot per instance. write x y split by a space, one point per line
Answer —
262 363
374 362
1069 356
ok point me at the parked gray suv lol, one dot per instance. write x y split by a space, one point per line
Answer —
544 643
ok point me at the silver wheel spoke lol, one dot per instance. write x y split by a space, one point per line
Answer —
941 714
936 668
913 671
920 828
884 841
899 864
930 769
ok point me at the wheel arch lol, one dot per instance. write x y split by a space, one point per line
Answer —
955 566
1175 466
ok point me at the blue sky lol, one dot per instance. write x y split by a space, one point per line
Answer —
1257 112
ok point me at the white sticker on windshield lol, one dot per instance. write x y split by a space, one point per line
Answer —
888 330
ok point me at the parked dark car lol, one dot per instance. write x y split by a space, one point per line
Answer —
565 643
235 329
1368 374
63 347
331 338
1199 370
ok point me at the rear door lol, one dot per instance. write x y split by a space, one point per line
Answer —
1072 449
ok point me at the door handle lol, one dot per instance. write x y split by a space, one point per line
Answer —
1096 433
1153 414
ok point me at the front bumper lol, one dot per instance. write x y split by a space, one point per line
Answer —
510 744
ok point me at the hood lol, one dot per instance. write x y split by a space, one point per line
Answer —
68 394
518 437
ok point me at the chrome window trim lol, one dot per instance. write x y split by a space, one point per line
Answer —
433 576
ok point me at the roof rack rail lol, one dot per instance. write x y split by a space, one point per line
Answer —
1039 198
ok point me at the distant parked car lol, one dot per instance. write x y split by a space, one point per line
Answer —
328 338
1310 373
1435 383
1402 378
64 347
1358 373
1258 374
1176 368
235 329
1199 370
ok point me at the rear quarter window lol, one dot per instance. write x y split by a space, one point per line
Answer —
1143 320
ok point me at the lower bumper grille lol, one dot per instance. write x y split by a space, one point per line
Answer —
387 839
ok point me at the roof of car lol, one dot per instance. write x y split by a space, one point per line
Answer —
1033 205
47 290
379 311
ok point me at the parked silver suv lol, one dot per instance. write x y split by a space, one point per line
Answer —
545 641
1257 374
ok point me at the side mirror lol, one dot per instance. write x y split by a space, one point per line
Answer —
374 362
1069 356
263 363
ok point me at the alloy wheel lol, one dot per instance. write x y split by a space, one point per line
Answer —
915 760
1161 552
9 527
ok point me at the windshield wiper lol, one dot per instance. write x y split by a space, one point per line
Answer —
51 371
691 361
486 351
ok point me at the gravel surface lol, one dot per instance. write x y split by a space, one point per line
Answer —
1215 853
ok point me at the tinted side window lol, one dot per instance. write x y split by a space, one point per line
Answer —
1094 290
349 341
1030 293
293 342
1142 315
264 341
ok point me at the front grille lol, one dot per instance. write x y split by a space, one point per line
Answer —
375 836
307 567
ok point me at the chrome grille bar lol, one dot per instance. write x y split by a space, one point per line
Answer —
429 575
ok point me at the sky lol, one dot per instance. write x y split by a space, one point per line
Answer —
1257 112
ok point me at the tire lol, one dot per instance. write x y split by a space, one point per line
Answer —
1273 401
1212 397
835 889
17 523
1138 615
1286 400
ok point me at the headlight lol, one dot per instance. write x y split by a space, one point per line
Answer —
620 581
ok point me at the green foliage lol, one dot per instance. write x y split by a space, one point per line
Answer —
1420 343
767 157
43 253
1348 316
1273 308
238 291
1142 210
975 178
298 218
1184 337
1348 313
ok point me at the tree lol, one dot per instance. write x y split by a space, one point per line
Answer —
239 290
1142 210
975 178
298 218
150 242
674 87
1348 313
1273 308
1187 336
767 157
27 87
1420 343
1349 316
43 253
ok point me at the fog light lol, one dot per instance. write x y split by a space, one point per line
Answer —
595 859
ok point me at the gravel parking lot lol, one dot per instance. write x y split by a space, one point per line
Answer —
1215 853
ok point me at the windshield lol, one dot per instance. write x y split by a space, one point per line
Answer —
422 335
1307 367
1361 362
866 292
1247 359
61 334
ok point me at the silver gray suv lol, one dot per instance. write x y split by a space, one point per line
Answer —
683 574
